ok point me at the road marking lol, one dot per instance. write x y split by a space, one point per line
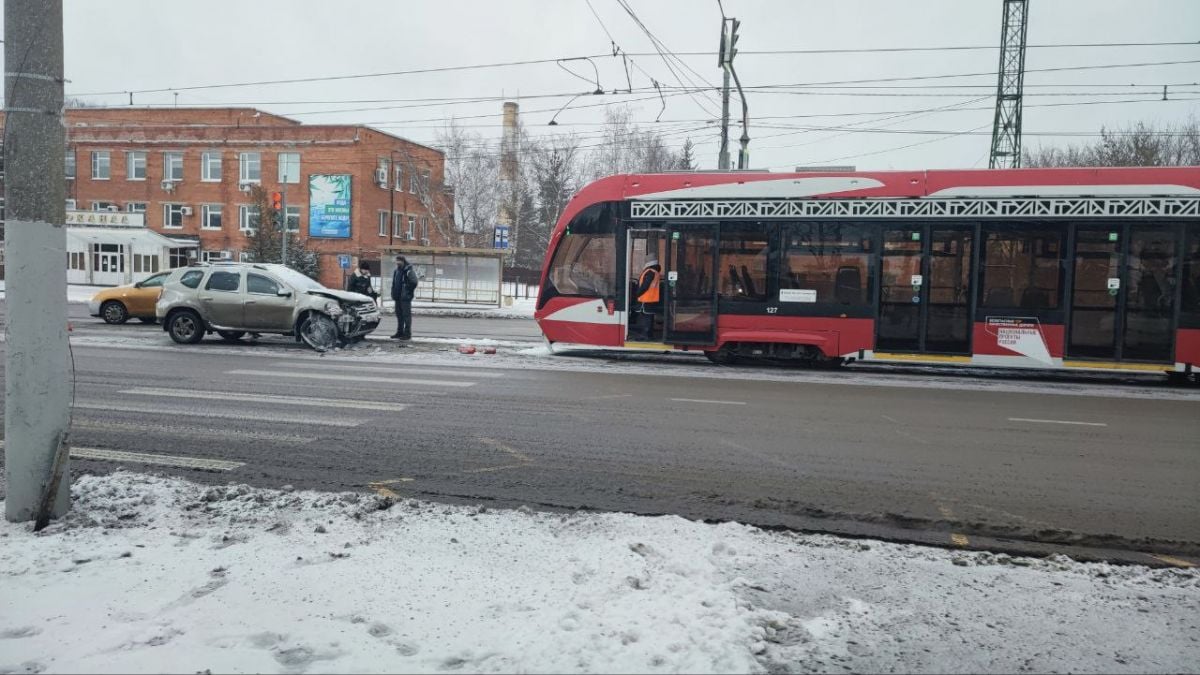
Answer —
705 400
402 370
493 469
517 455
245 417
267 398
956 538
381 487
959 539
1037 421
159 460
355 378
144 458
196 432
605 397
1172 560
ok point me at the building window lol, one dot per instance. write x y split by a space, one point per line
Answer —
425 182
210 167
104 206
135 165
210 216
77 260
145 264
412 227
178 257
1021 268
293 218
383 223
399 178
413 181
101 164
425 229
70 165
250 167
245 256
173 166
70 204
248 218
398 225
135 207
289 167
215 256
173 216
383 169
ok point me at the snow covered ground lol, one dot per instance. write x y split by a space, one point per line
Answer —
520 309
149 574
74 293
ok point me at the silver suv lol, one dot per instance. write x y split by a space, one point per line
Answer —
233 299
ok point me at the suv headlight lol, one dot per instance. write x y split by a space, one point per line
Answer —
333 308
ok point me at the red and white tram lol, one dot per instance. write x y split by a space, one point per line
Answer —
1044 268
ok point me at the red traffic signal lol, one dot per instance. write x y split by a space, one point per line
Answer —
277 200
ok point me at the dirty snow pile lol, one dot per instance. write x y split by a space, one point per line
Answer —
150 574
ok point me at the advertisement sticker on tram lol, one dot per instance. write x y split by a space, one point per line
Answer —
1020 335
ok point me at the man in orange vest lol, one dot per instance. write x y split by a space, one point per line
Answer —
649 296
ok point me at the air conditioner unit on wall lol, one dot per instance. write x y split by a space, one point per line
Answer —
245 187
381 177
186 210
168 185
424 242
113 207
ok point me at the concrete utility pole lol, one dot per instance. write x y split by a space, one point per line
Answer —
729 38
1006 129
38 375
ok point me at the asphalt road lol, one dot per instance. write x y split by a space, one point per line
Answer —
906 458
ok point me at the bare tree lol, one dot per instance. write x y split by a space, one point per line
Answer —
472 174
1140 145
552 173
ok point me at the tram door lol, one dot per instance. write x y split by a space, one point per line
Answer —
925 290
691 284
1123 293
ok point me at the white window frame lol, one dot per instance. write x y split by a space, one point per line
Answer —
207 174
244 213
244 167
243 256
71 204
283 162
214 256
383 223
132 160
398 225
412 181
96 156
399 186
96 205
287 217
167 209
132 207
169 162
206 210
70 165
412 227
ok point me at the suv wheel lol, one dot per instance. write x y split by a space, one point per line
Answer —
319 332
114 312
185 327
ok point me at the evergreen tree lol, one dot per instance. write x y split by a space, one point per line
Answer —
266 238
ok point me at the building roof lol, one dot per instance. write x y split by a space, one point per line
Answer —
125 235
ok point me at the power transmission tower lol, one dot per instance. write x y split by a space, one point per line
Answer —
37 373
1006 130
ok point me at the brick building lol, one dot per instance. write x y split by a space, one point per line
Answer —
189 171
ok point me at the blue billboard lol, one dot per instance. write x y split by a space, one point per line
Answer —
329 206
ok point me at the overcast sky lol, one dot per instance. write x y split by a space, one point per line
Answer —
122 45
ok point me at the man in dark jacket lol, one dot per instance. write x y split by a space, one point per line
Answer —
404 286
360 281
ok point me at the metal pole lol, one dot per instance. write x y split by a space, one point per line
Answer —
744 153
283 218
38 374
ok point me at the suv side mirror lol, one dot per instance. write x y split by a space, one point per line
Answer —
283 293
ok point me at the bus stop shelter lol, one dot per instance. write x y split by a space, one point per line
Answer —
452 275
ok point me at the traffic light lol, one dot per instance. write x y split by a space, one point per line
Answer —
277 200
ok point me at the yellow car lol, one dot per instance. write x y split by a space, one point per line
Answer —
117 305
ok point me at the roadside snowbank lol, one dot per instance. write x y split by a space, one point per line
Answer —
520 309
155 574
74 293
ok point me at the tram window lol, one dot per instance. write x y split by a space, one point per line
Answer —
743 265
1191 275
1021 269
585 264
834 259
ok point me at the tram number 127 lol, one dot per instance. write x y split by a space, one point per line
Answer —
772 310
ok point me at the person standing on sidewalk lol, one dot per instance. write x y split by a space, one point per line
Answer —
404 286
360 281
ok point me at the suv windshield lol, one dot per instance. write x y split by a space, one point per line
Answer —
295 279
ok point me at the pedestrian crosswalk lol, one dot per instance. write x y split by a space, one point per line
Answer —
233 425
